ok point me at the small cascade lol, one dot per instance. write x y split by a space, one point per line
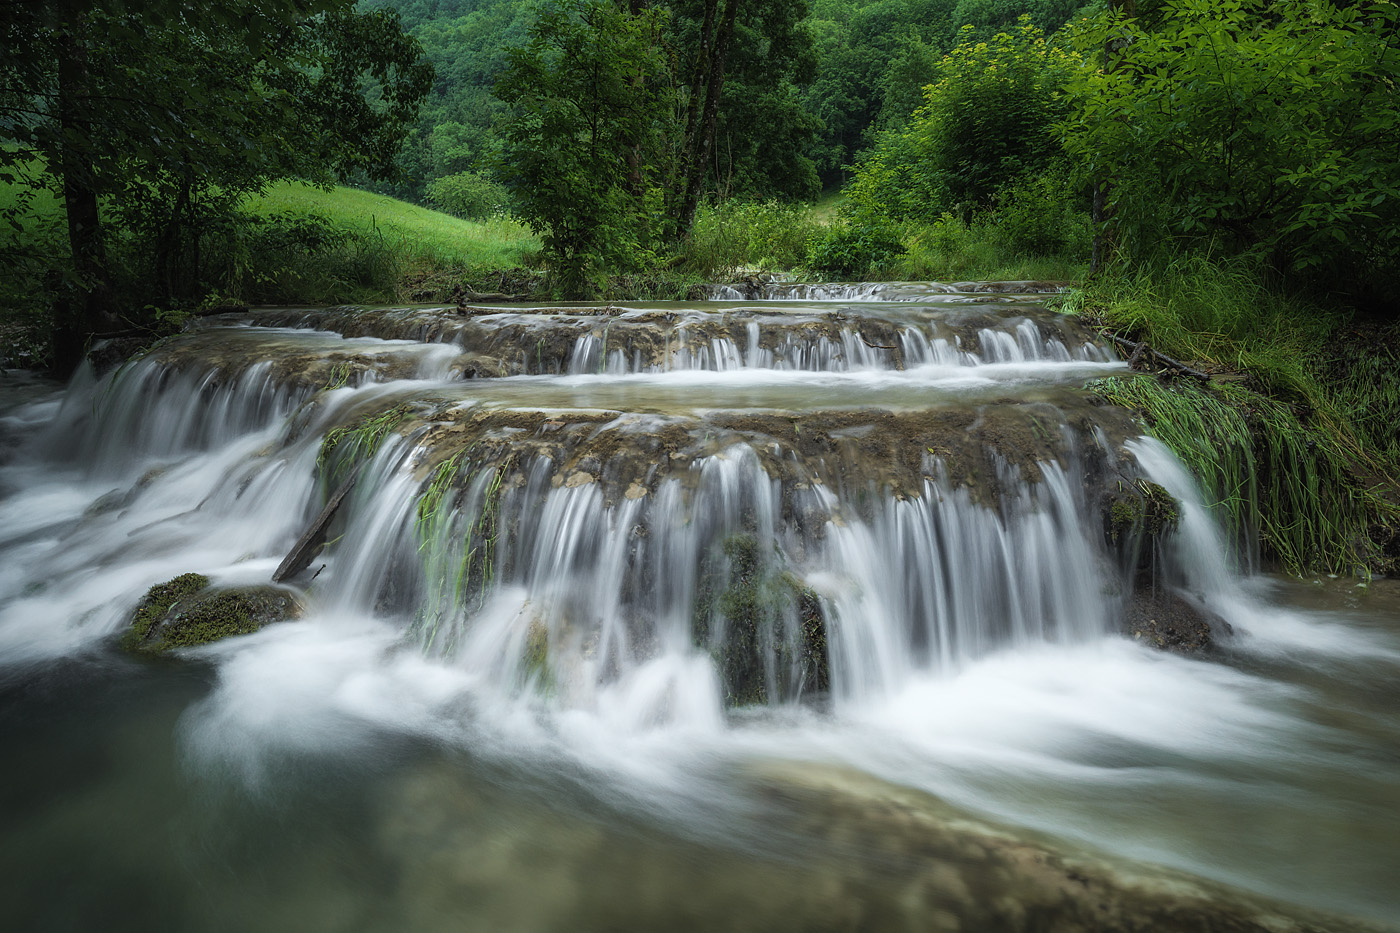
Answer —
806 336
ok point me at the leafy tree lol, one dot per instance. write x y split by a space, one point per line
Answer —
584 148
987 121
1267 128
167 114
468 195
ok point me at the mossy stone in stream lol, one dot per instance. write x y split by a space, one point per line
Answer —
1141 507
754 604
186 611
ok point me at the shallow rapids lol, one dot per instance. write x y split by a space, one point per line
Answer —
733 615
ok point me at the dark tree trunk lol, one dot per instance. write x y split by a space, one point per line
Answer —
91 312
701 118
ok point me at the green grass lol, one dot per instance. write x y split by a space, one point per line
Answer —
740 236
1303 451
421 236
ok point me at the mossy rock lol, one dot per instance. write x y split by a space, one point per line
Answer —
187 611
755 603
1141 507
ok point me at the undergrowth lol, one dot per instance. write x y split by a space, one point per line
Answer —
1296 442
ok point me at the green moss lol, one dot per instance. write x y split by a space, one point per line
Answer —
1142 507
536 660
208 620
157 603
751 614
184 613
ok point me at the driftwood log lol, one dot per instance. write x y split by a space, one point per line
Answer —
1138 349
311 542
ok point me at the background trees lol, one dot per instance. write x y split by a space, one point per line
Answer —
163 116
1265 129
584 151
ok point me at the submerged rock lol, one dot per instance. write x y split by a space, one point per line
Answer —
187 611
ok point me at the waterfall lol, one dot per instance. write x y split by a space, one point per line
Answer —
835 570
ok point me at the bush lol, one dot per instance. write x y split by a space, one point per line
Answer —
987 121
468 195
749 235
856 250
1043 215
1262 128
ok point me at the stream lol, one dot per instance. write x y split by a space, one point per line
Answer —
796 612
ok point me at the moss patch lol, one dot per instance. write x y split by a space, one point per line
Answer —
157 603
186 612
763 627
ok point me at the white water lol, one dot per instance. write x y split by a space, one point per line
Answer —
971 645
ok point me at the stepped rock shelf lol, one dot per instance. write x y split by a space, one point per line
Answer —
807 606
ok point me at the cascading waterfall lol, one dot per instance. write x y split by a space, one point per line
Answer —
816 526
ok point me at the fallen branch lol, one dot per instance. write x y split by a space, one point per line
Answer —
1139 349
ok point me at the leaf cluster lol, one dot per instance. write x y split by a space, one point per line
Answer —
1268 129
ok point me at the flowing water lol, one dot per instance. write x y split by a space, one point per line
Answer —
750 614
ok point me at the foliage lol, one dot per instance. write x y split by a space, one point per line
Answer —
175 114
986 122
856 250
1269 129
954 250
590 102
1314 436
739 235
468 195
1042 215
1284 482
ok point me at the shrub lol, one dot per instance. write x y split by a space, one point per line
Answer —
988 120
468 195
856 250
749 234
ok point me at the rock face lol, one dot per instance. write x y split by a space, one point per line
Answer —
1138 515
187 611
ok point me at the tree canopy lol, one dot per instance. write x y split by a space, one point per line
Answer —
158 112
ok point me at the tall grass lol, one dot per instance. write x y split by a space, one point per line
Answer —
735 237
1303 450
1287 484
952 250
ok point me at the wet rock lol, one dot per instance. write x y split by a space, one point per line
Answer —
188 611
1165 620
755 617
960 872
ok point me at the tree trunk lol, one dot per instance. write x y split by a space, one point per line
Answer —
701 120
92 312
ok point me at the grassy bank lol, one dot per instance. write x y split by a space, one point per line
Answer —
1293 435
293 244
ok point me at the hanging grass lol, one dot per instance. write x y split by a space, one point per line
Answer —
457 527
349 444
1286 483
